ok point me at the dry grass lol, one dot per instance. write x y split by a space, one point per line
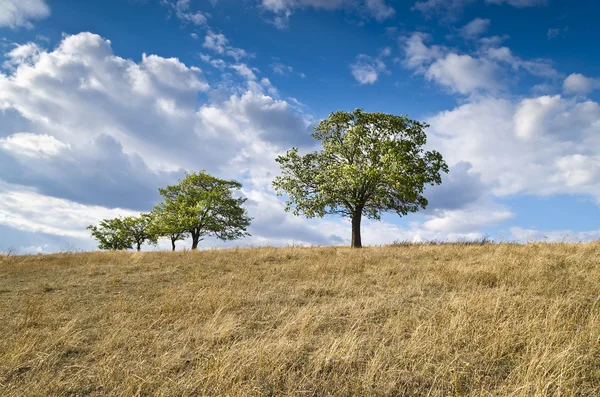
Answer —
502 320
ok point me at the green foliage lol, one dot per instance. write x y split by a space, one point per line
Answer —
124 233
370 163
167 223
140 228
203 205
112 235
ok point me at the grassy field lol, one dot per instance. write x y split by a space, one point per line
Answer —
490 320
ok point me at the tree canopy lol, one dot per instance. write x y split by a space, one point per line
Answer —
111 235
124 233
370 163
203 205
167 223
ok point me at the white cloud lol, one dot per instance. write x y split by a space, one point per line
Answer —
464 74
32 249
540 146
32 145
475 28
379 9
532 114
418 54
366 70
214 62
105 132
486 70
536 67
215 42
24 209
220 44
26 53
579 84
183 12
553 236
20 13
467 220
244 71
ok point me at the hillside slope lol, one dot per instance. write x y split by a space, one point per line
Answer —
407 320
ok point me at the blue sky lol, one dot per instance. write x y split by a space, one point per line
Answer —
102 102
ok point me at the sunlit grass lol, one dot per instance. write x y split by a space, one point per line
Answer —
405 320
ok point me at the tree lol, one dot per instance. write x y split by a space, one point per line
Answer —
112 235
123 233
140 228
168 224
370 163
204 205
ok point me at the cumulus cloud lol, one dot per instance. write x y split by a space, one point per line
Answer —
96 173
577 83
243 70
460 188
26 210
541 145
418 54
366 69
536 67
27 145
83 128
484 71
20 13
464 74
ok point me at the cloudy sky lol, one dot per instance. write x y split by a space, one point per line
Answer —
102 102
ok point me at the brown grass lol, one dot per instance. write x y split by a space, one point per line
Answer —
502 320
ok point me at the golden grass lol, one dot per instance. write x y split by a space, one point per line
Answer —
501 320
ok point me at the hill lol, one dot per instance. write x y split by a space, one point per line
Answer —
400 320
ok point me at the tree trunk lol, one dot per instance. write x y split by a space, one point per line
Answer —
356 240
195 240
173 243
139 247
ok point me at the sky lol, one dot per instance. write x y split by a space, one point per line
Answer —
103 102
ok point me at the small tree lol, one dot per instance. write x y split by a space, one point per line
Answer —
204 205
123 233
140 228
168 224
370 163
112 235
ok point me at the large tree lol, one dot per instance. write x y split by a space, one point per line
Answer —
370 163
206 206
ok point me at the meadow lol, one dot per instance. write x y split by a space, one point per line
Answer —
405 320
